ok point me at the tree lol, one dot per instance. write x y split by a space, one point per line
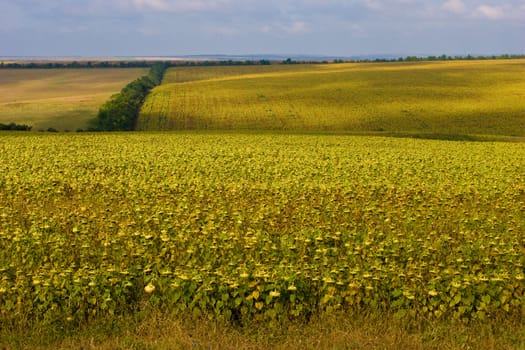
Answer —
120 113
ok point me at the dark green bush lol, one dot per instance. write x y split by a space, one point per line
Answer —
13 126
120 113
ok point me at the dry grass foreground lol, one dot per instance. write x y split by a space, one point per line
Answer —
327 332
460 97
64 99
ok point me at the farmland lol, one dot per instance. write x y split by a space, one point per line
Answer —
64 99
451 98
269 228
278 212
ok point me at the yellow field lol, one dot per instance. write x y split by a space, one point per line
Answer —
58 98
259 228
460 97
188 74
257 240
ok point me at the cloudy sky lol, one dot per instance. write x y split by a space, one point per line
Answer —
320 27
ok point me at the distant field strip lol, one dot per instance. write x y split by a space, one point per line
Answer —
478 97
58 98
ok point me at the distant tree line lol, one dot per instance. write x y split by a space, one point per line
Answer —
197 63
211 63
15 127
120 113
131 64
460 58
78 64
448 58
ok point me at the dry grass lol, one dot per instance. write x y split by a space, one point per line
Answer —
58 98
328 332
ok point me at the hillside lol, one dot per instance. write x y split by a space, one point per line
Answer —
58 98
460 97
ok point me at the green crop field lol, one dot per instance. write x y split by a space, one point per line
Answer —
64 99
433 98
243 228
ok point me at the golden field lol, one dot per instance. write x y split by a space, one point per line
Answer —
260 231
427 98
64 99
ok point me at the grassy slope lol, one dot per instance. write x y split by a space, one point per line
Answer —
59 98
480 97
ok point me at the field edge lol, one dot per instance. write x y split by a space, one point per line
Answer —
156 330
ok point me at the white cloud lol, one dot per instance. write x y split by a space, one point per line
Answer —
148 31
297 27
175 6
223 30
71 29
374 4
161 5
490 12
455 6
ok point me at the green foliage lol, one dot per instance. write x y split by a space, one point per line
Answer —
120 113
156 73
13 126
457 58
259 227
76 64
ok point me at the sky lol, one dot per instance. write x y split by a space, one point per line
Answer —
94 28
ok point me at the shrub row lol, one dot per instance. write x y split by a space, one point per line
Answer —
121 111
13 126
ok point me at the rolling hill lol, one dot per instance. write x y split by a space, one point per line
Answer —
427 98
